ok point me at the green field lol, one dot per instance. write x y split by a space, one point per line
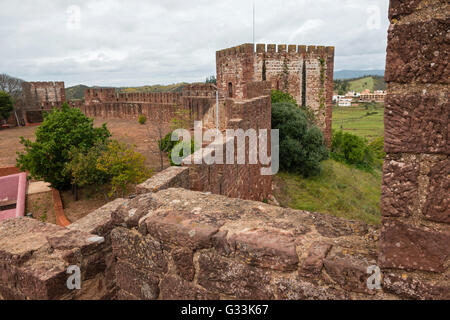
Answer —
339 190
368 124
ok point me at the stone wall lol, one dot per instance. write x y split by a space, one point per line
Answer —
197 101
43 95
35 257
182 244
305 72
243 181
414 246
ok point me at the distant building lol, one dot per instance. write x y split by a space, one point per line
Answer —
377 96
343 101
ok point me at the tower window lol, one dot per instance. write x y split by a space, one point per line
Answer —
230 90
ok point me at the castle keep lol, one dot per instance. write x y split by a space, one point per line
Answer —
304 72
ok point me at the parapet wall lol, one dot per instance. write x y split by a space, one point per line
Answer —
415 201
244 181
191 245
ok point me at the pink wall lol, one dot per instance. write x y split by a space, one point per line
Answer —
13 188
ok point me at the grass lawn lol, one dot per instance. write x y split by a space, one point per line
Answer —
357 120
340 190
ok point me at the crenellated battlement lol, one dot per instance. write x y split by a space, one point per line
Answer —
293 49
157 97
47 84
273 48
246 48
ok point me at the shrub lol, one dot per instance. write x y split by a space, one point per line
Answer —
123 166
6 105
278 96
166 144
377 147
181 155
142 119
302 146
83 167
351 149
63 130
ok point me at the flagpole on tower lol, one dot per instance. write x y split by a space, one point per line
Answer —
253 24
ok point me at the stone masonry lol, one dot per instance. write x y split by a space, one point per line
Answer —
415 237
304 72
41 96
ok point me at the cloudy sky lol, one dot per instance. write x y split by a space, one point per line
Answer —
137 42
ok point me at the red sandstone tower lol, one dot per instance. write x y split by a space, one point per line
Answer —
304 72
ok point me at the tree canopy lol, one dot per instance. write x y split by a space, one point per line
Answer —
63 130
302 145
6 105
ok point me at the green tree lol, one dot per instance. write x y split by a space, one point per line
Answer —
302 145
211 80
351 149
123 165
6 105
83 168
278 96
62 130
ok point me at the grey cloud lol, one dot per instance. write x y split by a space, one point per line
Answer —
147 42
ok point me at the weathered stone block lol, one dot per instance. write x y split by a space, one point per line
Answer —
130 212
418 52
42 282
184 229
437 205
142 284
297 289
417 123
407 287
349 270
233 278
314 261
173 177
144 253
126 296
400 185
173 288
98 222
266 248
407 247
402 7
183 259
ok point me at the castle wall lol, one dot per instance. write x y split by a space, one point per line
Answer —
415 204
197 100
43 95
235 180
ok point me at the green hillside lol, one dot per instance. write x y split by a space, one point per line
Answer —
76 92
371 83
340 190
177 87
360 84
366 121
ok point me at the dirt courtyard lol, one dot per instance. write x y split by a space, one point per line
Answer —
145 137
